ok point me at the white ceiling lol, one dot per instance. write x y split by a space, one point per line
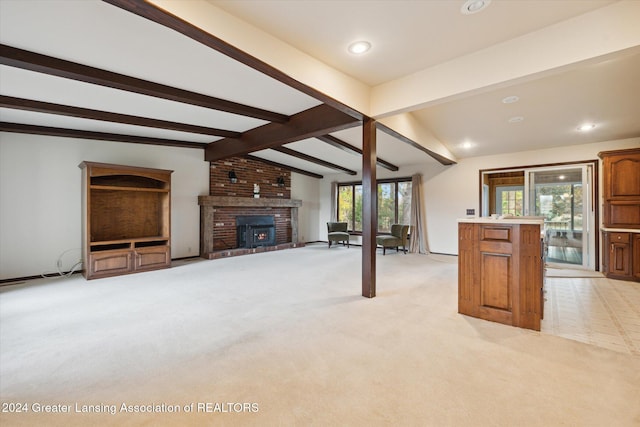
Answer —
407 36
606 93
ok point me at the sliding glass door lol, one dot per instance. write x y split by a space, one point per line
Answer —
561 195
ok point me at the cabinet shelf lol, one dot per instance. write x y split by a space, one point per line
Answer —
143 242
134 241
120 188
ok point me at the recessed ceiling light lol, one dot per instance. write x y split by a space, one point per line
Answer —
474 6
510 99
586 127
359 47
467 145
516 119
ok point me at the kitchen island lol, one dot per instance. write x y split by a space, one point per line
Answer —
501 270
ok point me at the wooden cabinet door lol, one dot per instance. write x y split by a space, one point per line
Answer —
619 258
467 248
109 263
621 188
635 262
152 257
497 270
624 176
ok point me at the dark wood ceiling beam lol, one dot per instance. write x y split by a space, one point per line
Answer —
302 156
310 123
345 146
32 61
100 136
165 18
440 158
283 166
86 113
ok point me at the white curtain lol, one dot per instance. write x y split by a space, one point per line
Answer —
418 242
334 202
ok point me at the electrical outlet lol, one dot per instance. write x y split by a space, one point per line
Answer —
471 211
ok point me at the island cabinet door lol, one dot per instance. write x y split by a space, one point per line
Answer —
496 272
635 262
467 267
529 308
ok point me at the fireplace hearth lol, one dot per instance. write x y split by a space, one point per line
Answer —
255 231
218 231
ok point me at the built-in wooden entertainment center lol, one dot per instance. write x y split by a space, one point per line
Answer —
126 219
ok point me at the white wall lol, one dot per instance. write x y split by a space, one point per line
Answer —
450 190
40 194
307 189
40 185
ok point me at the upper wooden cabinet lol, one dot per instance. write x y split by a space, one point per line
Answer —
126 223
621 178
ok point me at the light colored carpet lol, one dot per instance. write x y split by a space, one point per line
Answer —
288 334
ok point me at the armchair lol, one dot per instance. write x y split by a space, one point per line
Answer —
397 238
337 232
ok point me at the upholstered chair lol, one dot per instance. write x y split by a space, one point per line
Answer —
397 238
337 232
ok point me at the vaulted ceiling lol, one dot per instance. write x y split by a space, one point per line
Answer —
141 72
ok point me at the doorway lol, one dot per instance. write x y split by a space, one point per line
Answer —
563 195
558 195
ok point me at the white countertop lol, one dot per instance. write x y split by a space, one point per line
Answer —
489 220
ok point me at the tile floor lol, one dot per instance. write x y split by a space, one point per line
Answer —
595 310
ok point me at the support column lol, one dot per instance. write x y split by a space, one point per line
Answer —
206 230
294 225
369 208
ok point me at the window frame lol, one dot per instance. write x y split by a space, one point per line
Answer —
353 185
501 189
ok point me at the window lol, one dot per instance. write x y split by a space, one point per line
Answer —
386 206
394 204
510 200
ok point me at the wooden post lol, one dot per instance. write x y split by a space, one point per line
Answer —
206 233
294 225
369 208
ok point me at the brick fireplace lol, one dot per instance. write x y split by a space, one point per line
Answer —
232 191
218 220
